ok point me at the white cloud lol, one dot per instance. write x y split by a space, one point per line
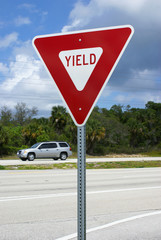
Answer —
29 7
83 14
80 16
27 81
137 98
22 68
19 21
33 9
125 5
3 68
141 79
141 86
8 40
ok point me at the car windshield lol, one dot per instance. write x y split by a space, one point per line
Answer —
35 145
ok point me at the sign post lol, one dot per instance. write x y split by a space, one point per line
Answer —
81 189
81 63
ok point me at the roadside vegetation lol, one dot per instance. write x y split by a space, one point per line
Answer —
119 130
94 165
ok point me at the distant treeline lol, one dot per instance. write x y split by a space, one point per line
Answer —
118 130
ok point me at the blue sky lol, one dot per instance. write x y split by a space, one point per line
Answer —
136 79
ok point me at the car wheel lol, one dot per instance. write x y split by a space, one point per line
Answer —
55 158
23 159
31 156
63 156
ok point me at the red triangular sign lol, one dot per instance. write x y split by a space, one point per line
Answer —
81 64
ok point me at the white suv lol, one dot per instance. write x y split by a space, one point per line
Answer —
53 150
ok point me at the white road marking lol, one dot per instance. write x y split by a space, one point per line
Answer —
30 197
70 160
74 235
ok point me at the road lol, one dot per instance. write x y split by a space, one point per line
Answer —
70 160
42 204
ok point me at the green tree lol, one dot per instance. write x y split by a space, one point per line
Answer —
58 118
117 110
154 121
33 133
24 114
5 116
70 131
94 134
116 133
4 137
15 136
138 132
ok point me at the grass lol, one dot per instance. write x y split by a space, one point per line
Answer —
128 164
2 167
74 155
14 156
154 154
94 165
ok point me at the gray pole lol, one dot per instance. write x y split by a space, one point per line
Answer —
81 141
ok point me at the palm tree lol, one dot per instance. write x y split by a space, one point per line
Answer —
58 118
95 133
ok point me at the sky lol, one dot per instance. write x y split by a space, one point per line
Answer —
23 78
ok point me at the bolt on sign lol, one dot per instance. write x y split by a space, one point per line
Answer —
81 64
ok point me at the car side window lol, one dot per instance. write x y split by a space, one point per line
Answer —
43 146
52 145
48 145
63 144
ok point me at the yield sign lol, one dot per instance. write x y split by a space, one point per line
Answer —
81 64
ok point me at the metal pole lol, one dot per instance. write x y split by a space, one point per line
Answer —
81 137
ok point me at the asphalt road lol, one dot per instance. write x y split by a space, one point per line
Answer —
70 160
42 205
